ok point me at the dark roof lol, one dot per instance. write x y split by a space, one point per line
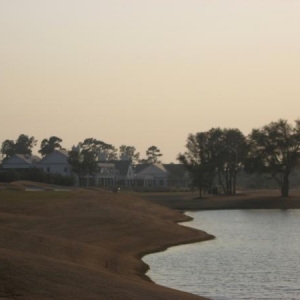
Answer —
140 167
121 165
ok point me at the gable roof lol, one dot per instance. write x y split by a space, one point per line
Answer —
122 166
63 153
29 158
22 158
141 167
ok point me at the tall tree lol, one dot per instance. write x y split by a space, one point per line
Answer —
230 158
275 150
102 150
197 160
129 153
83 161
8 149
153 154
217 153
23 145
49 145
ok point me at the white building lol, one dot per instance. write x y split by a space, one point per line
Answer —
151 175
109 173
21 161
56 163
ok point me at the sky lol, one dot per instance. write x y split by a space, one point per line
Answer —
145 73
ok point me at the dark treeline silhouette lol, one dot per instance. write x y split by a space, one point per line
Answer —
214 157
101 150
218 155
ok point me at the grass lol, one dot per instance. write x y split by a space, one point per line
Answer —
84 245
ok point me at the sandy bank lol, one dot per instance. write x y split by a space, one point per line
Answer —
84 245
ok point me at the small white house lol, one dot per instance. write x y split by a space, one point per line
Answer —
21 161
151 175
56 163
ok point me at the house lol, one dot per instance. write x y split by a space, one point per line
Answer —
151 175
104 175
56 163
109 173
160 175
112 173
124 172
21 161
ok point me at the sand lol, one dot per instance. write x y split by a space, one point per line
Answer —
88 244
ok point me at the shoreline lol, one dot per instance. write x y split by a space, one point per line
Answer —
165 247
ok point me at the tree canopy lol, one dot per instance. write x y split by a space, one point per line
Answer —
153 154
275 149
129 153
49 145
83 160
100 149
23 145
217 154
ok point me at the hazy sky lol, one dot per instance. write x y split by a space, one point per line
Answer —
145 73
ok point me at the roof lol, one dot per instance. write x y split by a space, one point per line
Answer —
63 152
140 167
28 158
121 165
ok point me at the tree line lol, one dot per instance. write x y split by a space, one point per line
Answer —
87 149
212 157
83 158
218 155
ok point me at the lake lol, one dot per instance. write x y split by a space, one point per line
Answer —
256 255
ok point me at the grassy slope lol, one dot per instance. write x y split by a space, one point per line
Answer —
83 245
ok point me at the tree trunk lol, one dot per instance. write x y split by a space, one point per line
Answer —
233 180
221 182
234 183
228 178
285 186
200 192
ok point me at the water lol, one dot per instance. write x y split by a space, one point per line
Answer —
256 255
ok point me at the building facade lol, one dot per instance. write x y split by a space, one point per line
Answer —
109 173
